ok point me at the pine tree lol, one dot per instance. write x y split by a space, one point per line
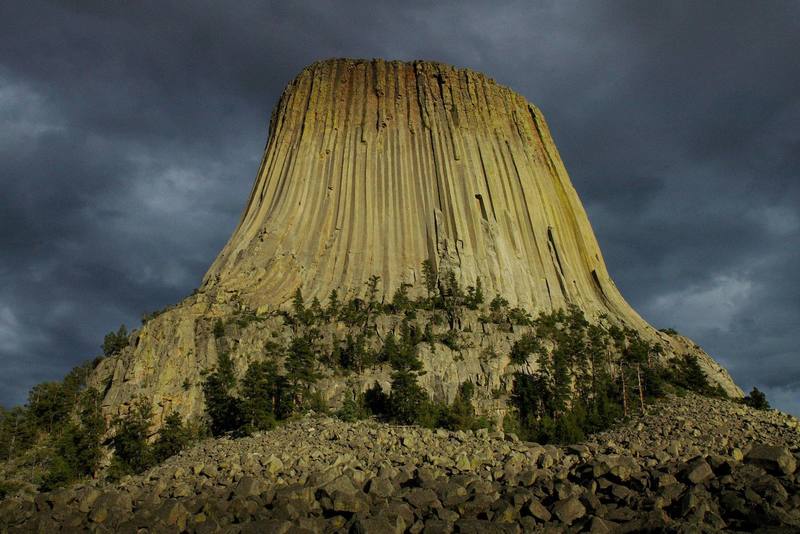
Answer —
315 311
77 448
353 355
173 437
332 311
300 366
474 297
451 297
691 376
259 389
430 280
132 453
301 315
461 414
114 342
48 405
372 303
223 409
524 347
400 300
757 399
390 350
17 432
407 398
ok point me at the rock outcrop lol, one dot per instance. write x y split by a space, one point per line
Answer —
691 464
371 168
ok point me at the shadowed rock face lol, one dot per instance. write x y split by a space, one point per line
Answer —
373 167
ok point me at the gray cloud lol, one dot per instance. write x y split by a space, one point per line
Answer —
131 134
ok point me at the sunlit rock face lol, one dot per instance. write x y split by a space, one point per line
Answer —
371 168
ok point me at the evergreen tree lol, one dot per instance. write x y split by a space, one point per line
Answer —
17 432
77 449
757 399
688 374
114 342
474 297
525 346
461 414
390 350
373 305
354 355
498 309
315 310
375 400
49 405
132 453
498 304
301 315
301 366
353 408
332 311
451 297
407 398
372 291
173 437
400 300
223 409
430 280
259 390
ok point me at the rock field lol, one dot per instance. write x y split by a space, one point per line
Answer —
691 464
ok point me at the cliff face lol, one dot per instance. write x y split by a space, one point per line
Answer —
371 168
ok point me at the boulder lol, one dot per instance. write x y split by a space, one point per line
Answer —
772 458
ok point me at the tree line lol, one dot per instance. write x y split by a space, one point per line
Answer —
588 375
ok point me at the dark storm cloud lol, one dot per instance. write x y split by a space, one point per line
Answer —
131 133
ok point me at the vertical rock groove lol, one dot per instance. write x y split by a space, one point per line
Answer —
372 167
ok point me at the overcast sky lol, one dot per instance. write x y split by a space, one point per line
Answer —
131 132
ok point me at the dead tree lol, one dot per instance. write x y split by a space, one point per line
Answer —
641 391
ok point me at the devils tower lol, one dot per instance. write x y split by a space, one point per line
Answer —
372 168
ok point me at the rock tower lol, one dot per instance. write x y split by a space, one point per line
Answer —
371 168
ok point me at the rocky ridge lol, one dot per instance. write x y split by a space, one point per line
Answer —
690 464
